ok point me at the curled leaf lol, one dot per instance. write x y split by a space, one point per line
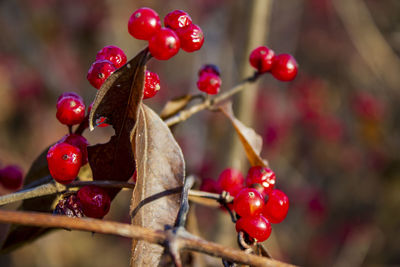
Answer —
160 176
117 100
251 141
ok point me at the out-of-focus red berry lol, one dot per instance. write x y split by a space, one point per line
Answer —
231 180
11 177
209 68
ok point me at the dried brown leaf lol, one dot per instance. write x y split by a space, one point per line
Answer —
174 106
160 176
117 100
251 141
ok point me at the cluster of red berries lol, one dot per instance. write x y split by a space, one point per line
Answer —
283 67
11 177
164 42
256 203
91 201
209 79
109 59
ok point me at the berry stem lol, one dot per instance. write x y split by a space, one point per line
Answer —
70 129
208 103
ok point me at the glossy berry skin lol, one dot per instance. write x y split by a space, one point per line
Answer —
151 84
209 83
231 180
209 68
262 176
262 59
284 67
11 177
78 141
70 110
94 201
257 227
144 23
99 72
69 94
64 162
277 206
113 54
191 37
248 202
164 44
177 19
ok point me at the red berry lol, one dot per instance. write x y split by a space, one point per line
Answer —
144 23
164 44
209 185
191 37
177 19
284 67
78 141
11 177
69 94
113 54
151 85
263 176
262 59
209 68
276 208
94 201
70 110
248 202
257 227
231 180
64 161
99 72
209 83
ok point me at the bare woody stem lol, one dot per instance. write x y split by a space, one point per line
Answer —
188 241
199 197
209 103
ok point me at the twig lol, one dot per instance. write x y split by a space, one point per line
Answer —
208 103
189 242
198 197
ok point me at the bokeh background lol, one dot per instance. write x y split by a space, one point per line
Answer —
332 135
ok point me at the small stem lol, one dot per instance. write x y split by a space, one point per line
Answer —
208 103
184 209
70 129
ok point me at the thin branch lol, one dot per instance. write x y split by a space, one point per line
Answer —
198 197
209 103
189 242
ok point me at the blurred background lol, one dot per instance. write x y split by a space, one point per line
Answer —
331 136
